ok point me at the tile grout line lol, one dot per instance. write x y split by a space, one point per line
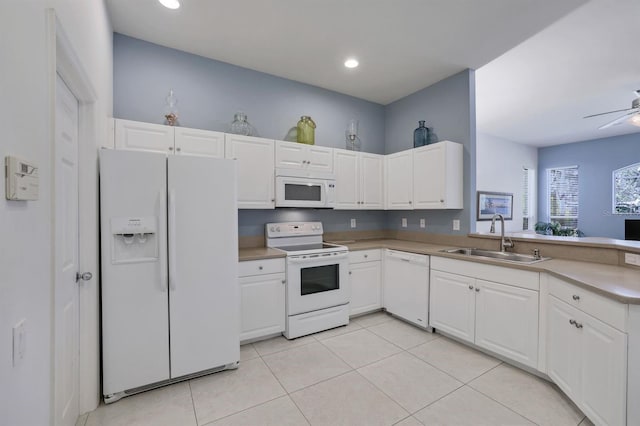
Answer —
193 403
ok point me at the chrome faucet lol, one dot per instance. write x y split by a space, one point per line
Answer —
505 242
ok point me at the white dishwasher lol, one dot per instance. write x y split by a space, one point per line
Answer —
406 286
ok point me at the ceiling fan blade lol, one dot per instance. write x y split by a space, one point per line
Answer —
617 121
609 112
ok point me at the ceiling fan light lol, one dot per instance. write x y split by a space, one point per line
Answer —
635 119
170 4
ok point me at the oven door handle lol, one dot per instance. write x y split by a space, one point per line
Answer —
324 257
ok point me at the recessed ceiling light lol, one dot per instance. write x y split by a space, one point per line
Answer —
170 4
351 63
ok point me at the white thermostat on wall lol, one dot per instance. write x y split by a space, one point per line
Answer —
21 179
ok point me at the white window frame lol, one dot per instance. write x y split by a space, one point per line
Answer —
614 202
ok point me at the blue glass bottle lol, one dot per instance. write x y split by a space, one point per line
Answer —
420 135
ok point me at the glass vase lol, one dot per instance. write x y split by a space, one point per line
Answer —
306 129
420 135
240 125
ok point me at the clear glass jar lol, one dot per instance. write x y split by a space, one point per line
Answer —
240 125
306 130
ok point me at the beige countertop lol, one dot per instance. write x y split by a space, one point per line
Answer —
616 282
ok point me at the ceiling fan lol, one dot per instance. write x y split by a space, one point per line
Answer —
632 114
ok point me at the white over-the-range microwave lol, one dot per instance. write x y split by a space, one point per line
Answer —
305 189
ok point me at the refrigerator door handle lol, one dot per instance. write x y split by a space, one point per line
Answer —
164 278
173 272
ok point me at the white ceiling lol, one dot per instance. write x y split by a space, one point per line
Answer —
561 64
586 63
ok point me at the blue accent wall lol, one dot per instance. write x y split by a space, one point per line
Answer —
596 160
449 107
209 92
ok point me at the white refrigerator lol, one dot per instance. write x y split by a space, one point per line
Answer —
169 248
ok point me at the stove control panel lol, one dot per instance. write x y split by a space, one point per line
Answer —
293 229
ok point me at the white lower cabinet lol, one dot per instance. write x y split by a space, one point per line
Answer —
365 274
501 317
587 359
406 286
262 298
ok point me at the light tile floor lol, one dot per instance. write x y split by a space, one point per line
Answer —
375 371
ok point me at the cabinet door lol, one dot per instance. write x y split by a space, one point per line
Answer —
603 372
563 356
144 136
291 155
347 179
452 304
429 177
371 181
262 299
366 287
399 181
406 290
255 170
199 142
507 321
319 158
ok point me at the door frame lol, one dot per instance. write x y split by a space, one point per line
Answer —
63 60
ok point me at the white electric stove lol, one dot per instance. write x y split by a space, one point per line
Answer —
317 277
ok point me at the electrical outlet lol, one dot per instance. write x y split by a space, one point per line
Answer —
423 223
404 222
632 259
456 224
19 342
353 223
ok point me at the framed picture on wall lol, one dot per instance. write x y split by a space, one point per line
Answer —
490 203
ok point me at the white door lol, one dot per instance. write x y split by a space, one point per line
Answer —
372 181
199 142
366 287
406 286
399 181
320 158
507 321
347 180
144 136
262 310
256 178
452 308
203 264
66 310
291 155
563 352
429 177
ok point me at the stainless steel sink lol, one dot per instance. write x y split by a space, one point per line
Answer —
497 255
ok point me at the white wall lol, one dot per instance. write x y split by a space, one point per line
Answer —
25 227
499 165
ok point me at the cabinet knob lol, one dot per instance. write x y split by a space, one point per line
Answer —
578 325
441 200
349 272
477 290
178 149
170 148
470 287
273 200
260 267
410 202
576 297
366 255
572 322
284 281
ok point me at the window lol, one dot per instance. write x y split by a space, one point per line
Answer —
563 196
626 190
528 198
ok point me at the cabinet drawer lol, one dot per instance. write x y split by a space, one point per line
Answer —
364 256
607 310
259 267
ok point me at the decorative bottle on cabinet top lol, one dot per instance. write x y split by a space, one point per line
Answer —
420 135
306 129
240 125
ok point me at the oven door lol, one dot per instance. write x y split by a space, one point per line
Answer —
317 281
301 192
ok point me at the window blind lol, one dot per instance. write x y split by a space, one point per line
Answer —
563 195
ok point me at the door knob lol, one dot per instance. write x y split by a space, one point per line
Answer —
85 276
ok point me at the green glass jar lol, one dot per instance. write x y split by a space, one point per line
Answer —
306 130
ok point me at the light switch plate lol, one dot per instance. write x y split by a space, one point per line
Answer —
456 224
353 223
423 223
404 222
19 342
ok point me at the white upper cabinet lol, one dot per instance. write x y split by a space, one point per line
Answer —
255 170
199 142
437 176
144 136
399 181
300 156
134 135
359 180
